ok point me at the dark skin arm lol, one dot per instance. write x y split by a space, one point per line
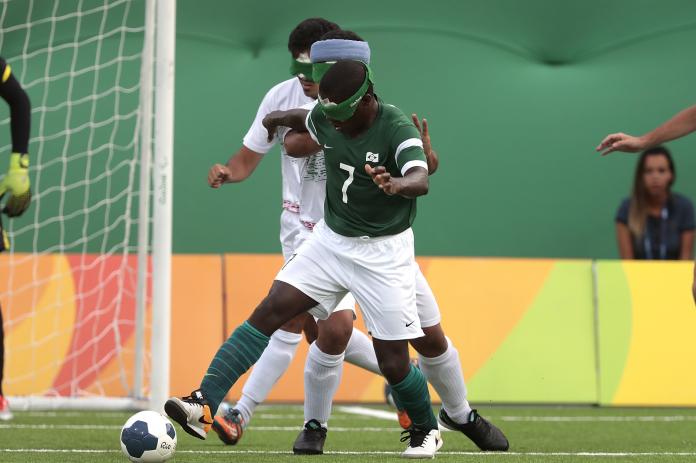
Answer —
687 245
294 118
300 144
414 183
623 239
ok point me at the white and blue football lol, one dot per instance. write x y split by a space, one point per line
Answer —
148 437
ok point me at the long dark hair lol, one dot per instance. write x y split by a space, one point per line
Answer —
638 211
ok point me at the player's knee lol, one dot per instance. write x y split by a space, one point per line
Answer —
295 325
433 344
393 369
336 331
334 335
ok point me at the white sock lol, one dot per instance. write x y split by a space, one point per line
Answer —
267 371
361 353
322 376
445 374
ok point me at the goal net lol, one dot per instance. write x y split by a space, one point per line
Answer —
76 314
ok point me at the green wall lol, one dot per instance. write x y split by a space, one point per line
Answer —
517 95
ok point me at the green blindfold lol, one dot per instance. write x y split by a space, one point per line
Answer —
319 69
302 70
344 110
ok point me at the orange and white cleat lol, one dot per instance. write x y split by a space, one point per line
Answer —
192 413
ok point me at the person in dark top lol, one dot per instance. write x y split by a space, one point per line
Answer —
15 183
680 125
655 223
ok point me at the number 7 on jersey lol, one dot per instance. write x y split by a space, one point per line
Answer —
348 181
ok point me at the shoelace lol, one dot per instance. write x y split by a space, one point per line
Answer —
416 437
192 400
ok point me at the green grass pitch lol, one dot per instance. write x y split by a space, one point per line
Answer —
537 434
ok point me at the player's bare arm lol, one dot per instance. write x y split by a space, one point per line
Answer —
431 156
293 118
238 168
623 238
300 144
413 184
693 287
687 245
681 124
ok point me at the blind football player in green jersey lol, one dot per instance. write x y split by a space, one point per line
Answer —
365 247
438 358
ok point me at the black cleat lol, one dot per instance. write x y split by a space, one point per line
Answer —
482 432
311 439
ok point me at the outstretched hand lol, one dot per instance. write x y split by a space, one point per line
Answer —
621 142
430 155
217 175
382 179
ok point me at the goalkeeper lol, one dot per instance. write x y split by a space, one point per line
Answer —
15 183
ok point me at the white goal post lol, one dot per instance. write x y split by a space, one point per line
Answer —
86 285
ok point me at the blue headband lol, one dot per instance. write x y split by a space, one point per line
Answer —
340 49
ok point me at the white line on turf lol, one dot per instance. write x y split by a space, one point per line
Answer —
365 411
251 428
531 419
281 452
598 418
62 414
382 414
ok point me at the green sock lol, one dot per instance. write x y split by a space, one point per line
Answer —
236 355
413 395
397 402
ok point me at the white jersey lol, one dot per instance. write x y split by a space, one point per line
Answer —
313 186
304 179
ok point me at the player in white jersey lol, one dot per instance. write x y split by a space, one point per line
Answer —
303 184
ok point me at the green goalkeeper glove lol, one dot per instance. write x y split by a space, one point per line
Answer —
16 182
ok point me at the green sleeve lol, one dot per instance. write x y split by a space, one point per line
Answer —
408 148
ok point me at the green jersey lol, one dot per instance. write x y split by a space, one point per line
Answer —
354 205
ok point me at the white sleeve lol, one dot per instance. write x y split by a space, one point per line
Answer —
256 139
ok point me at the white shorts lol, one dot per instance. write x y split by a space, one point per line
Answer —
428 310
290 228
380 272
292 235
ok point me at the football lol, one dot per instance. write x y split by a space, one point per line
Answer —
148 437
